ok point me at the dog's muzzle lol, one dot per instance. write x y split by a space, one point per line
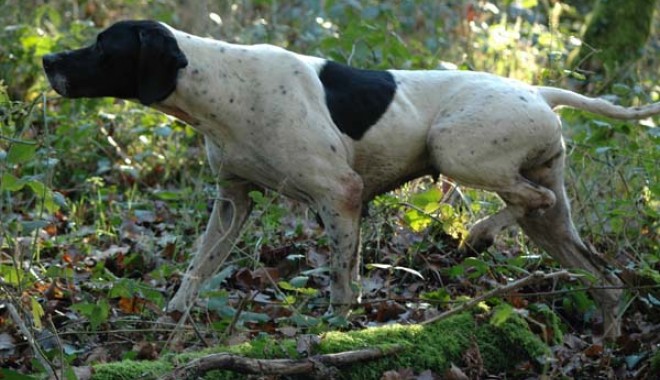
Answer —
56 79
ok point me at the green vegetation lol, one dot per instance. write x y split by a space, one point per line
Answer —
101 201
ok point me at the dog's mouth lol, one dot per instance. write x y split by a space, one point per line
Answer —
57 80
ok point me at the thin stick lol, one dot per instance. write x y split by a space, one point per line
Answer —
16 318
537 276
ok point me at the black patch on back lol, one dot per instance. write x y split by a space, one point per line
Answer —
356 98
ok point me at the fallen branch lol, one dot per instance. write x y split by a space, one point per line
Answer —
535 277
315 365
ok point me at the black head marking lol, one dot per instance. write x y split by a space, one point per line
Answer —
356 98
160 60
129 60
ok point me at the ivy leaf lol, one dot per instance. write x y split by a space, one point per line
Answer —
299 282
20 153
8 374
96 313
45 193
11 183
37 313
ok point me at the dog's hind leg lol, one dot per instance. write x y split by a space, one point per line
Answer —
230 211
490 163
522 197
555 233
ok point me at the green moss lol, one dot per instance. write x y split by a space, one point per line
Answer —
655 362
129 369
433 347
511 343
427 347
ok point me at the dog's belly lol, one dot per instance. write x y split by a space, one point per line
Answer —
386 167
394 150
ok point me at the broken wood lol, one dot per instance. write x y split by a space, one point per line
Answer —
315 365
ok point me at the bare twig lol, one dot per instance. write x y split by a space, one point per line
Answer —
309 365
537 276
38 354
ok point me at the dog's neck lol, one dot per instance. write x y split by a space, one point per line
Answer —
218 90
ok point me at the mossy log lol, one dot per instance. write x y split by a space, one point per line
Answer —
435 346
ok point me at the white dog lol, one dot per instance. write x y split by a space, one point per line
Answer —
335 136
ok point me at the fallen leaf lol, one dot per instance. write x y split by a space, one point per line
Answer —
306 344
593 351
388 311
83 373
266 276
401 374
131 305
426 375
146 351
99 354
288 331
455 373
7 344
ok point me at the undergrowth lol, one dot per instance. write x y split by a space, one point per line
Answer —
101 200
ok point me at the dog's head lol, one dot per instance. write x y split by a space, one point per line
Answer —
129 60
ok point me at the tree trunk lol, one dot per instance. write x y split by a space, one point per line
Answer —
613 39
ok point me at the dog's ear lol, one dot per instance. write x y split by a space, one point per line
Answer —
159 62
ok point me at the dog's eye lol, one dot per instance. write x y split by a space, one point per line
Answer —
98 46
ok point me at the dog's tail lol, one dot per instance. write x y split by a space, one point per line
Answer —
556 97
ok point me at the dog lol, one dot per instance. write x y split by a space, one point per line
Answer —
335 136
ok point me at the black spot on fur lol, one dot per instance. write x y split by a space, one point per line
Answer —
356 98
333 148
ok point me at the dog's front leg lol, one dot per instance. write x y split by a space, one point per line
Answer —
230 212
340 211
